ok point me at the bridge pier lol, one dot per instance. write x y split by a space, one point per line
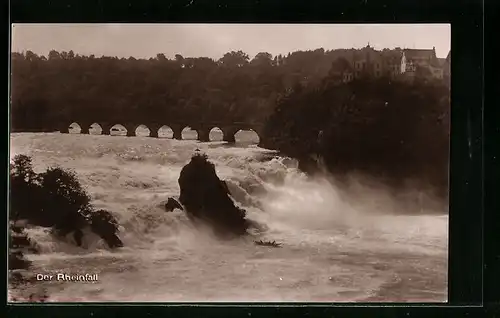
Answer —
130 129
84 129
229 139
260 134
64 129
153 130
177 129
229 134
105 128
153 133
203 134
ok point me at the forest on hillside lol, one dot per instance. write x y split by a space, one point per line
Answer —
392 129
235 87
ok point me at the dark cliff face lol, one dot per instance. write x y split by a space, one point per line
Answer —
394 131
206 198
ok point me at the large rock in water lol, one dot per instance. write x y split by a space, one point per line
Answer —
206 198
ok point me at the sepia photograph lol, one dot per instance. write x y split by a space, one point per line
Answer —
195 163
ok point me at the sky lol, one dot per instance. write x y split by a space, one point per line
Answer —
213 40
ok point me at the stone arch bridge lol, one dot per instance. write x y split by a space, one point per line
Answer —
203 129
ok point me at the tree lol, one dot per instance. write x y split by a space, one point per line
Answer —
30 56
234 59
24 182
68 87
204 64
280 59
161 57
16 57
179 58
262 59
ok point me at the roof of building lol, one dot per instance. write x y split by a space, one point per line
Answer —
448 57
441 61
366 53
419 54
392 56
346 59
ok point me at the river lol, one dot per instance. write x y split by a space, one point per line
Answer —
334 248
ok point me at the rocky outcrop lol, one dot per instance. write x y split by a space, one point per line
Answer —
172 204
206 198
105 225
19 243
19 274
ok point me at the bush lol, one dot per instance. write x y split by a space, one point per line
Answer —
57 200
64 199
24 183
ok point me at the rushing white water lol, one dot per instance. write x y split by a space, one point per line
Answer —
335 248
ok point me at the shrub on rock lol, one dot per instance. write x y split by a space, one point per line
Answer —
66 204
24 189
57 200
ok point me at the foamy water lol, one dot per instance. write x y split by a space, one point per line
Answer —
334 249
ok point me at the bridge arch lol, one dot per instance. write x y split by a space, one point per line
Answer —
95 129
247 136
118 130
74 128
235 132
216 134
189 133
142 131
166 131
